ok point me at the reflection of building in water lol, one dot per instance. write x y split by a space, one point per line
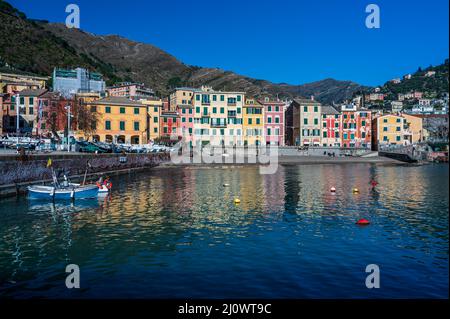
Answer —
274 189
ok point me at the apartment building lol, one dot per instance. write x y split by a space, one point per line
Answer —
306 122
253 123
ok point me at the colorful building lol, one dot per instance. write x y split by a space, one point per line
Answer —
11 83
306 122
356 127
120 120
389 129
253 123
181 101
169 126
414 128
218 117
154 110
331 127
274 121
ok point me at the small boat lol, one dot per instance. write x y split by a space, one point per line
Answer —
69 192
64 190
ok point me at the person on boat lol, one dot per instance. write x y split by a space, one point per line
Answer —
373 183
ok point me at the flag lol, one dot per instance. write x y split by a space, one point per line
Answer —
49 162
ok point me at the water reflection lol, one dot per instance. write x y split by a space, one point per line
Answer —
178 233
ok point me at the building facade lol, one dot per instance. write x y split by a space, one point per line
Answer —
274 121
253 123
79 80
331 127
120 120
130 90
389 129
306 122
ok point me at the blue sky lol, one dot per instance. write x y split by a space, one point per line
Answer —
292 41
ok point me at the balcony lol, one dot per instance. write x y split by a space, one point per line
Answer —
218 124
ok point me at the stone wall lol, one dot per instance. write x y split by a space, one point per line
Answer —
20 169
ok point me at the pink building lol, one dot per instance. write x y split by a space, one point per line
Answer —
331 127
186 121
274 121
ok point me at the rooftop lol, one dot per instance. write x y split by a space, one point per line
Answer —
117 100
329 110
32 93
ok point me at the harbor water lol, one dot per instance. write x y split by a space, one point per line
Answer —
177 233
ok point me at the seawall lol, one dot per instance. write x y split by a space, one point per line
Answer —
18 172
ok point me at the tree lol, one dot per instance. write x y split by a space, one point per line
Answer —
86 118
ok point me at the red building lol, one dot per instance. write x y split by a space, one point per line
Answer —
356 127
170 126
331 127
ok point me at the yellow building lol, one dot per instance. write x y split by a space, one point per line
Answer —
120 120
414 126
154 109
390 129
253 122
12 83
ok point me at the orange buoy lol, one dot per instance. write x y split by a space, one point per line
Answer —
363 221
333 189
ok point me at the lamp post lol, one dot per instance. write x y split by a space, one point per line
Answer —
68 127
17 117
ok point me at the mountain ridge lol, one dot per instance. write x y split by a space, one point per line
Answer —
38 46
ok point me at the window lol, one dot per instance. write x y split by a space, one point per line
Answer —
222 110
249 121
155 130
345 116
277 109
155 119
165 129
136 110
316 109
238 110
107 125
222 98
385 121
325 134
31 110
269 132
43 126
305 121
165 120
363 134
183 119
397 138
122 125
197 98
336 134
258 121
12 106
214 110
316 121
122 110
324 124
205 110
183 111
345 136
352 136
155 109
305 109
136 126
238 98
398 128
385 129
269 119
363 123
22 101
352 116
214 97
398 120
345 125
93 108
31 101
277 120
197 110
269 109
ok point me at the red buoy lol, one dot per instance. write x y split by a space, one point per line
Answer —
363 222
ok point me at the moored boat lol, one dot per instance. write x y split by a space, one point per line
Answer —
69 192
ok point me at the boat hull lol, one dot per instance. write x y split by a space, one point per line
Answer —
51 193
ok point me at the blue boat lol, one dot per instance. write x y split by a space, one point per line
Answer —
65 190
69 192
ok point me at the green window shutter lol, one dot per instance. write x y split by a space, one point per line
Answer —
108 125
136 110
122 110
122 125
136 126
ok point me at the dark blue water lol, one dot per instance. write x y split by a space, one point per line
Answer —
177 233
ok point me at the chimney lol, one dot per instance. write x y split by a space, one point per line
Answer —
312 97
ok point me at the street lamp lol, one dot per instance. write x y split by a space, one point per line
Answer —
68 126
17 117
